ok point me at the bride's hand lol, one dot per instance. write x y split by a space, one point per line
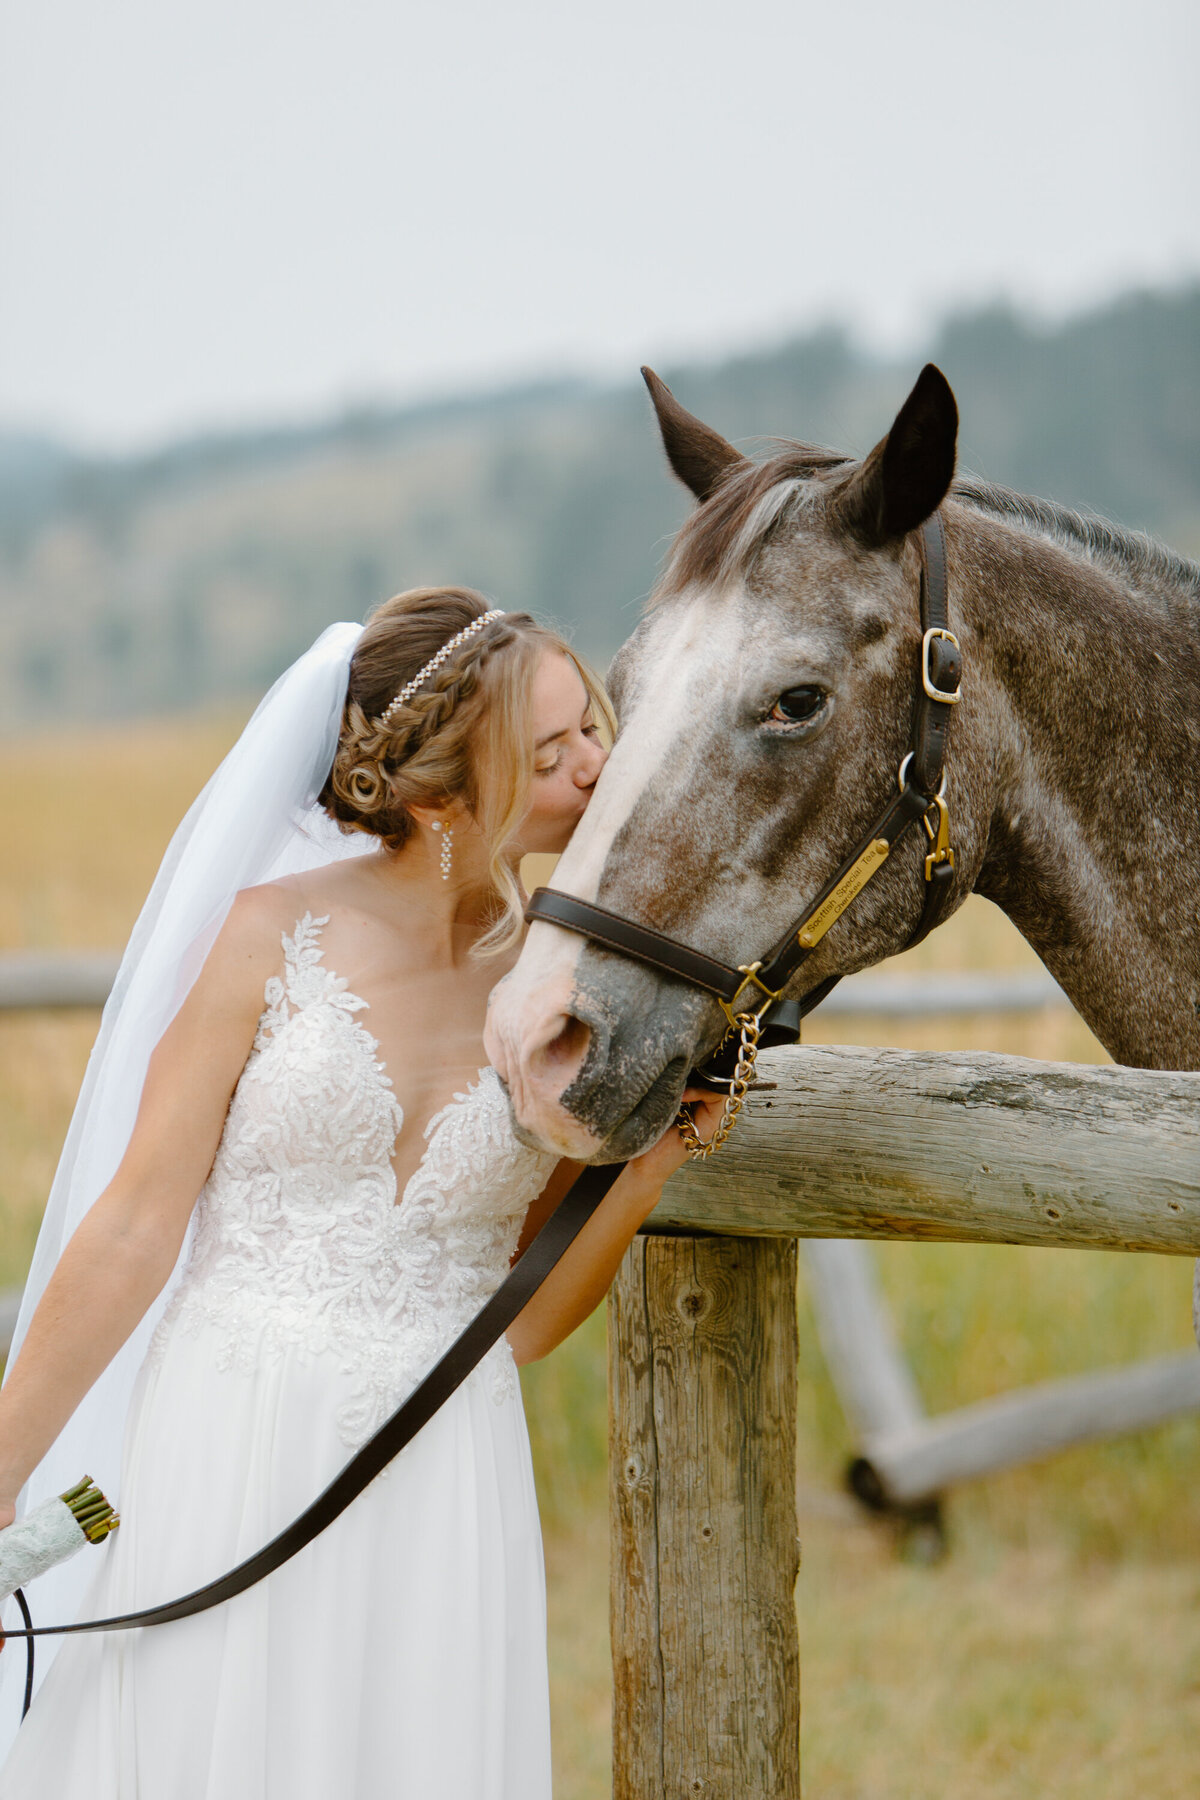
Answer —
656 1165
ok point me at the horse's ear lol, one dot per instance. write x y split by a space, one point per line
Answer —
907 476
699 455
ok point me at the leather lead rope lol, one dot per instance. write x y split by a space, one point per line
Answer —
518 1287
941 668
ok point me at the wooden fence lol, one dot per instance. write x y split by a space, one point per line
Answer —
70 978
841 1143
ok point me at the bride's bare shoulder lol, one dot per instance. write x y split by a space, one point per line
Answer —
249 946
260 915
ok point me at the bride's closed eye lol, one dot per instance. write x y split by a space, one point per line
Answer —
589 729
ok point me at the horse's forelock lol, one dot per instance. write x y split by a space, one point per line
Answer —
720 541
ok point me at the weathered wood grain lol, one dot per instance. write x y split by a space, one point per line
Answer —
702 1357
974 1148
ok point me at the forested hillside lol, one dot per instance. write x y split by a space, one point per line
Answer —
141 584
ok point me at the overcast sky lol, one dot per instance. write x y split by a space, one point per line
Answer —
233 210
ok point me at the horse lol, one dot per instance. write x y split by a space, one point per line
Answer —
765 702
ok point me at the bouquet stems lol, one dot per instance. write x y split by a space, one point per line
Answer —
94 1516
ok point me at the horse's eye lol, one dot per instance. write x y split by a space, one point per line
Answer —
798 704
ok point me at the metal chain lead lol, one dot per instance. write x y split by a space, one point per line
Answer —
750 1027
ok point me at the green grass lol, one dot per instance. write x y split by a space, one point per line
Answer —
1055 1653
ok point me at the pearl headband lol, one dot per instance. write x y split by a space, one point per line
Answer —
435 662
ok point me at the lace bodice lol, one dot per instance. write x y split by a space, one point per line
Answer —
300 1244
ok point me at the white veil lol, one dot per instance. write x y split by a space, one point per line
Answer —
255 820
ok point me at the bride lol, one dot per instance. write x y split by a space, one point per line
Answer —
296 1038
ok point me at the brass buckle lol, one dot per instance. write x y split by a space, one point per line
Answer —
948 697
734 1011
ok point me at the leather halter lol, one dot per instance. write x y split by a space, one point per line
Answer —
917 798
754 989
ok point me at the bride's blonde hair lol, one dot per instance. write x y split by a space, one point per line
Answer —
465 734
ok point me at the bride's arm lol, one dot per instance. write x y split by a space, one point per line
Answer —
581 1278
126 1246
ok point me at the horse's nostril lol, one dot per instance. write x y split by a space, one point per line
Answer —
566 1051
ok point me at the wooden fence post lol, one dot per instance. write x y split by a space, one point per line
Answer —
702 1458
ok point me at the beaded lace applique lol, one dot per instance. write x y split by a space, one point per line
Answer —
299 1243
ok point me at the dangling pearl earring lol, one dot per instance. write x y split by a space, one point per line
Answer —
447 846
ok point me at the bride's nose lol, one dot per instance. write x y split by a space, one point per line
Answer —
590 764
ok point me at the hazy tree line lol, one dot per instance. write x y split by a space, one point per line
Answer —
138 584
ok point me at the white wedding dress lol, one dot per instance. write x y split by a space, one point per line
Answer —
402 1654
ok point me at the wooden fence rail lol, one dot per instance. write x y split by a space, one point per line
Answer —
65 978
846 1142
55 978
840 1144
923 1460
906 1461
10 1301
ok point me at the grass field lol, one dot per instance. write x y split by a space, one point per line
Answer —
1055 1653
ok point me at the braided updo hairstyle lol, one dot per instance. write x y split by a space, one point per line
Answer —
466 734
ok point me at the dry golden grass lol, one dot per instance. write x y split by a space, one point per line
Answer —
1057 1652
42 1059
1000 1675
86 822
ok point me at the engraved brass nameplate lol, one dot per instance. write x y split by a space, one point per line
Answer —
852 883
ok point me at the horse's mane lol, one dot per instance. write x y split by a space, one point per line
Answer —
722 539
1137 554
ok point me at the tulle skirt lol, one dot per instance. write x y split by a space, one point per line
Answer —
400 1655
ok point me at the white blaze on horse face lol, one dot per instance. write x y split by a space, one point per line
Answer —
681 660
686 657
